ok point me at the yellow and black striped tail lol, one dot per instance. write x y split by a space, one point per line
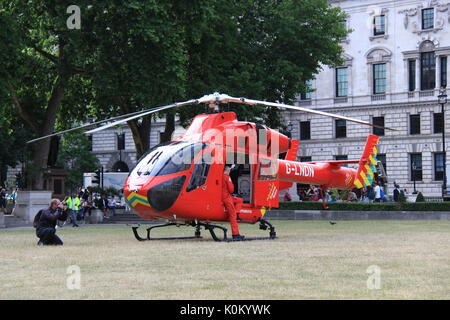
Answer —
367 163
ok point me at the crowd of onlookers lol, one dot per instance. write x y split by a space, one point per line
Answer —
81 204
6 198
371 193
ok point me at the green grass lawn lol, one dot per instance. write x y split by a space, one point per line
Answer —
309 260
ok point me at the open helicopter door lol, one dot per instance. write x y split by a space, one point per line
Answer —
266 185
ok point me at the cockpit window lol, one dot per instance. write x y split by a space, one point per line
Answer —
200 173
167 159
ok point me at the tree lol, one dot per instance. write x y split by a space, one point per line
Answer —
131 55
151 54
41 61
75 157
263 49
140 57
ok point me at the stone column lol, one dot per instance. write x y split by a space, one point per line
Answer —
2 220
448 72
418 74
293 192
438 72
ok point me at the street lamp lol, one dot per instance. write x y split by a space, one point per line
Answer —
120 141
290 127
414 168
442 98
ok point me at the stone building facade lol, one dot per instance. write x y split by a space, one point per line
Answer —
395 62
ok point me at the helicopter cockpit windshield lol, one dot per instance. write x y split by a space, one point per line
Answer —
167 158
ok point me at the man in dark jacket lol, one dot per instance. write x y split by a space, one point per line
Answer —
46 225
2 200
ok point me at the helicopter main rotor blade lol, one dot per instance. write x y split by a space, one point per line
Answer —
84 126
286 106
154 110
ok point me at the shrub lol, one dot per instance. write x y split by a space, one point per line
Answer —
365 206
420 197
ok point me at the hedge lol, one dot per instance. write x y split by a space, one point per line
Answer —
365 206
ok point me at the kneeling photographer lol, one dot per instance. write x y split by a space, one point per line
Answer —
45 223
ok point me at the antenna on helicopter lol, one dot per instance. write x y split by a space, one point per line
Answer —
213 108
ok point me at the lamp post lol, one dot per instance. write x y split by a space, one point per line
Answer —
290 127
120 141
414 167
442 98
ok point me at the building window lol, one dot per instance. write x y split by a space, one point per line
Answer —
438 122
414 124
427 18
428 70
305 130
90 142
308 94
444 72
341 158
341 82
416 166
379 78
341 128
382 158
344 24
305 159
378 121
438 166
379 25
412 74
121 141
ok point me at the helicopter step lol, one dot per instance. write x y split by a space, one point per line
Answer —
264 225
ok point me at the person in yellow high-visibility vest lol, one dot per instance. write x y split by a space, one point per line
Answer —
73 203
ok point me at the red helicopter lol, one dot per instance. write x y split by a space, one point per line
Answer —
180 181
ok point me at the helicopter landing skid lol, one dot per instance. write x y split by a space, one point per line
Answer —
149 229
264 225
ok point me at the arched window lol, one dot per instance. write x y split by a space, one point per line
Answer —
427 66
378 60
120 166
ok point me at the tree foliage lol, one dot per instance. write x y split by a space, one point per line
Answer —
131 55
75 157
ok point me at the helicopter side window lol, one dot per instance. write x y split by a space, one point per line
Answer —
268 169
200 172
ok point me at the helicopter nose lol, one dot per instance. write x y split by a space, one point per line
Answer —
162 196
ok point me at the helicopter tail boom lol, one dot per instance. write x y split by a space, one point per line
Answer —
332 174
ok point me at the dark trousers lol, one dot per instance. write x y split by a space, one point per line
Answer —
48 236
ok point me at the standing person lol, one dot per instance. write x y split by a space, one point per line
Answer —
227 199
103 205
3 200
45 223
309 194
370 193
377 191
287 196
87 206
14 200
396 192
123 203
85 194
73 204
112 206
